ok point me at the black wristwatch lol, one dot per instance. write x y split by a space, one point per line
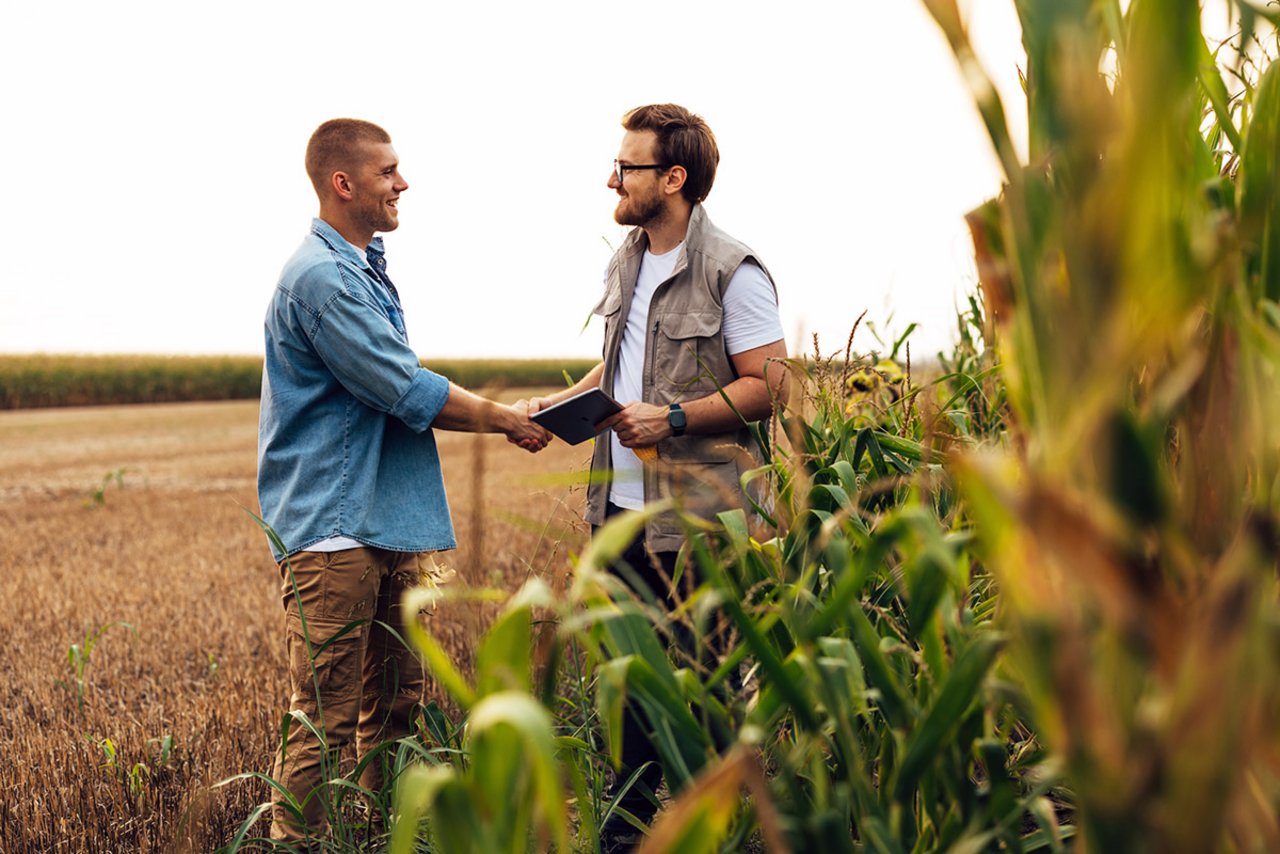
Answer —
676 418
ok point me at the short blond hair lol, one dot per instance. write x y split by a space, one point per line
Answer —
336 144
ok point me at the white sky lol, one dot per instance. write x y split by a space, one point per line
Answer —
156 185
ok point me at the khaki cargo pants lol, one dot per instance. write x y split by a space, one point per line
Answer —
369 683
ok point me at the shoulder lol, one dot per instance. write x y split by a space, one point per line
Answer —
750 281
717 246
315 275
750 293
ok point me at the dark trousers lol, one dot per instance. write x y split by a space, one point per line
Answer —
636 566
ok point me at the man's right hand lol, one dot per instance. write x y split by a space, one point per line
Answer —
522 431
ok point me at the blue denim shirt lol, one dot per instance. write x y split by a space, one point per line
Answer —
344 431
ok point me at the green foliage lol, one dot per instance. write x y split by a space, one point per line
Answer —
1130 271
79 656
32 381
1026 602
51 380
98 497
869 716
507 796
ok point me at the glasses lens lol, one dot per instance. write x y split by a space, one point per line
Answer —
617 171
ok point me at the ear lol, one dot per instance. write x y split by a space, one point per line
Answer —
675 176
340 183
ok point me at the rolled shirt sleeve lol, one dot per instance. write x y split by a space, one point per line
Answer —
373 361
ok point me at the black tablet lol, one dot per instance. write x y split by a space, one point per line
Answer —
574 420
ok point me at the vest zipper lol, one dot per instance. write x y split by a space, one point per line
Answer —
653 345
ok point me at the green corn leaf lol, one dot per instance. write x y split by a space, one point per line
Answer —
513 721
627 631
927 577
1050 834
678 736
611 692
437 660
1260 187
415 791
1002 796
960 690
504 659
895 702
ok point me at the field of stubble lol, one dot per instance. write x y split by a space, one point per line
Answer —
115 750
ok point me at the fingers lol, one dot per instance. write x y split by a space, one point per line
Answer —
524 432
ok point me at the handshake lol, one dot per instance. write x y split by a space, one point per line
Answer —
514 421
639 426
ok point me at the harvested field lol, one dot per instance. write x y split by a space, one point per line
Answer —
139 515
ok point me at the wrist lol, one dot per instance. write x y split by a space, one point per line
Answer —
677 421
502 417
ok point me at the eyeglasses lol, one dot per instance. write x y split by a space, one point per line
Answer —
620 170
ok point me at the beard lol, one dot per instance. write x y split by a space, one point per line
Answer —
636 211
375 216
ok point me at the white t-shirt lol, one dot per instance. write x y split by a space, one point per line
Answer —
750 320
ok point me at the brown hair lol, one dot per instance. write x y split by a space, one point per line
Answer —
684 139
335 143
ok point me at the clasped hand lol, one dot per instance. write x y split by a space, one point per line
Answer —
639 425
524 432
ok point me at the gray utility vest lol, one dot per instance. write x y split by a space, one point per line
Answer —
685 360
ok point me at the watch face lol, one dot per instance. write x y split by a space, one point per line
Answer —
676 418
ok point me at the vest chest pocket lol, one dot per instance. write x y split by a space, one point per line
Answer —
609 308
690 354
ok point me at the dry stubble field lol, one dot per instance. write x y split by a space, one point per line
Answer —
175 554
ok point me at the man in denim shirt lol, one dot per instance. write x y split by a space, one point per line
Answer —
349 478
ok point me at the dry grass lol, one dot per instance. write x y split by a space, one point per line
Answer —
174 553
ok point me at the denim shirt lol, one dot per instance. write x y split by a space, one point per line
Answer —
345 446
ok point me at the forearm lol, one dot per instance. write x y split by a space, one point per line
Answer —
590 381
713 414
473 414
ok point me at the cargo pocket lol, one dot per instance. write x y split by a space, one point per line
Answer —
338 657
700 489
685 360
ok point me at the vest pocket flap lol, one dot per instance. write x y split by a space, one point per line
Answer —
609 304
694 324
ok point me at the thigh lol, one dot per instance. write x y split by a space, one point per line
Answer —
405 571
329 599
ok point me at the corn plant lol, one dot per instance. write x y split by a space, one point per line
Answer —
871 718
1129 270
504 792
79 656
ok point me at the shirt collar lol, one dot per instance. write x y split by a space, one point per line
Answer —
343 247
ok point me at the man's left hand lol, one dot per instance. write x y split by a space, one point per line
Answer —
639 425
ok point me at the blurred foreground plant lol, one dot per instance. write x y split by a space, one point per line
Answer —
1131 271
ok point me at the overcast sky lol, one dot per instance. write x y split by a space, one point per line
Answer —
155 181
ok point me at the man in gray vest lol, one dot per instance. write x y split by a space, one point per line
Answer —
691 317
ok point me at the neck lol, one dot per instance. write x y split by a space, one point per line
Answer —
667 232
357 235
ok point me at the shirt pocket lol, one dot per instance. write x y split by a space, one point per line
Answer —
610 308
691 346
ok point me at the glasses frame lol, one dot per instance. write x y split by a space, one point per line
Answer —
620 170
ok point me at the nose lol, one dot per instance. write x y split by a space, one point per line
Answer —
613 183
401 184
